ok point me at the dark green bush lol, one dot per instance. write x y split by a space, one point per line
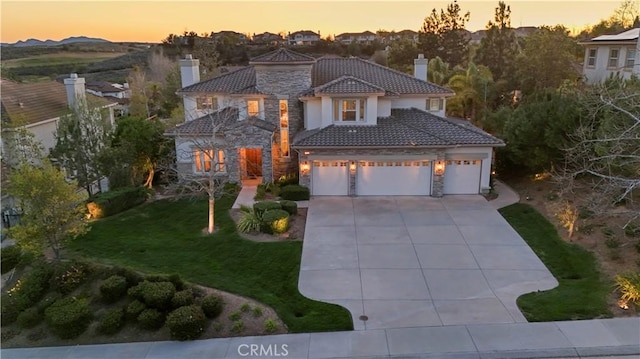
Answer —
29 318
68 317
68 276
154 294
109 203
173 278
151 319
294 193
231 188
261 192
133 277
186 323
290 206
261 207
275 221
9 309
212 306
113 288
111 322
182 298
33 285
9 258
134 309
288 179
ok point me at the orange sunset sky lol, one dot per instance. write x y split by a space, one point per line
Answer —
151 21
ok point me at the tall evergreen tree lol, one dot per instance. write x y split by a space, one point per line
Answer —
443 34
499 48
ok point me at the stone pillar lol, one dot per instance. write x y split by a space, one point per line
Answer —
352 177
438 180
304 179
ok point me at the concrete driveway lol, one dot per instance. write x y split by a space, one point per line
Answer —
417 261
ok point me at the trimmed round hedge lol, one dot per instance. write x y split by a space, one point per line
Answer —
151 319
113 288
260 208
294 193
111 322
275 221
134 309
186 323
30 318
182 298
156 295
290 206
212 306
68 317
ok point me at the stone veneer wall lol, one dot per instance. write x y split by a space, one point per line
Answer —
356 154
283 82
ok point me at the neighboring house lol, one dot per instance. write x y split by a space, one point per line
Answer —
268 38
362 38
608 55
120 94
232 36
304 37
347 126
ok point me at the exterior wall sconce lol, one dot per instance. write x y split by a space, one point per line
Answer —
352 167
304 168
439 168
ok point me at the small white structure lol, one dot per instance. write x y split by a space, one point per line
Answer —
608 55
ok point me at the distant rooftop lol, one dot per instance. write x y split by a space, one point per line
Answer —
628 35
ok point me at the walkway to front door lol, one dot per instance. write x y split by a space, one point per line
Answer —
417 261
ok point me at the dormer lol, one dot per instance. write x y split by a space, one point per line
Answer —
282 72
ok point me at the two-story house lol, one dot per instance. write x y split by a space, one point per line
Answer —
303 37
267 38
608 55
362 38
347 126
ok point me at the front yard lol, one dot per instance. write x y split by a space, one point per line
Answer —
166 237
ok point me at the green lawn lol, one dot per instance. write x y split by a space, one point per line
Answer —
165 237
582 293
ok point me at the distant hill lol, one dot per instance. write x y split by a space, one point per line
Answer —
68 40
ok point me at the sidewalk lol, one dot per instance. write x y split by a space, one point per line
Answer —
572 339
506 195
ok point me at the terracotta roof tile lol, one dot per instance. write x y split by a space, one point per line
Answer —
348 84
226 119
282 55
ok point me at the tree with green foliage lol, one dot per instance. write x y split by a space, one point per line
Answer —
471 88
53 211
401 54
499 47
443 34
438 71
547 59
80 138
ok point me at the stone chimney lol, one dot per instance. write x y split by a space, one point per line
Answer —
75 90
189 71
420 67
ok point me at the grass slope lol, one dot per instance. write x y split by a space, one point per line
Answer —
165 237
582 294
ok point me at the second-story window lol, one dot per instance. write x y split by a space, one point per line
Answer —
435 104
207 103
591 57
253 107
349 110
631 58
284 128
613 58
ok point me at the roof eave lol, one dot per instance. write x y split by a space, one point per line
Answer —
399 147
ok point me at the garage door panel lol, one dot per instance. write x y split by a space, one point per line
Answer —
462 177
330 178
399 178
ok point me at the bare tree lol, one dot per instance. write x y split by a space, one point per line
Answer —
603 161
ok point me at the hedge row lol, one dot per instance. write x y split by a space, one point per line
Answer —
109 203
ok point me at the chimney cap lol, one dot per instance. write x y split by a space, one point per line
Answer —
421 56
73 76
188 57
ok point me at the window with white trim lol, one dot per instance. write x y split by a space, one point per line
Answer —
613 58
253 107
630 59
349 110
284 128
204 159
591 57
206 103
435 104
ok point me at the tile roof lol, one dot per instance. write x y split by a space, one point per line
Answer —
230 82
27 103
348 84
628 35
282 55
329 69
405 128
103 86
226 119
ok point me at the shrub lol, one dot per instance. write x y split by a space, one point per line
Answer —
9 310
48 300
637 246
612 242
275 221
113 288
134 309
629 287
261 193
235 316
231 188
212 306
115 201
186 323
68 317
29 318
30 289
257 312
69 276
261 207
133 277
245 307
151 319
270 326
294 193
608 232
631 230
290 206
249 222
9 258
237 326
182 298
111 322
178 283
288 179
154 294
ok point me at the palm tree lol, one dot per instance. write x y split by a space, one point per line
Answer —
471 88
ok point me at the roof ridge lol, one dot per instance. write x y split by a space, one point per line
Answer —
345 77
244 68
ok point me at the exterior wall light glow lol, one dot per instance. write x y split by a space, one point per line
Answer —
352 167
439 168
304 167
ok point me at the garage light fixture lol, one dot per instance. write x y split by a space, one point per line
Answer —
304 167
439 168
352 167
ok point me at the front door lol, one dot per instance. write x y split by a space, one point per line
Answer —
253 158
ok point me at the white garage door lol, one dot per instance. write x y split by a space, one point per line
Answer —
330 178
394 178
462 177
